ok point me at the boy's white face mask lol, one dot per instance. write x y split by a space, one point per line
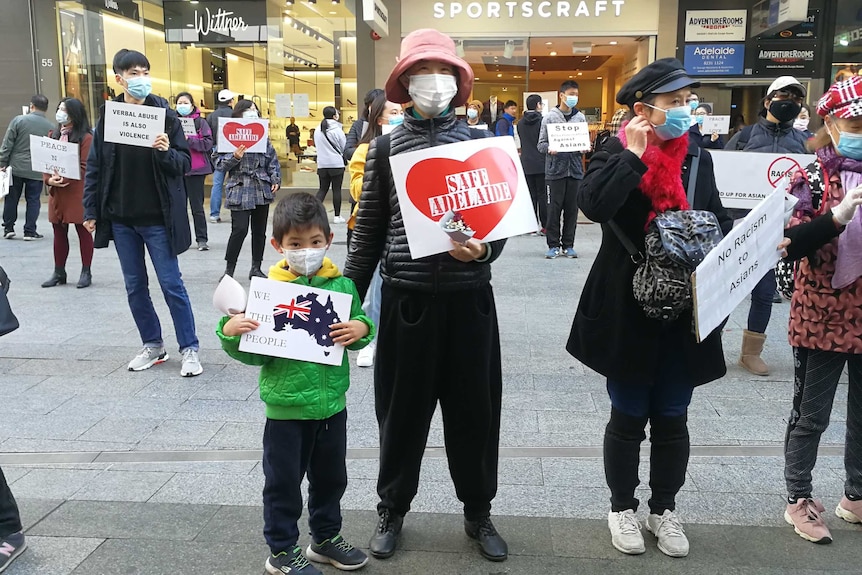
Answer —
305 261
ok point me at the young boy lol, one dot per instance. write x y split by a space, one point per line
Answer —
306 425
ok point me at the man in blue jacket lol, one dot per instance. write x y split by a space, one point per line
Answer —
135 195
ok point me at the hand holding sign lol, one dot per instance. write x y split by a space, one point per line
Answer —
239 152
162 143
569 137
238 325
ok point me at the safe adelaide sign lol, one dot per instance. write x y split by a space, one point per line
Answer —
474 188
248 132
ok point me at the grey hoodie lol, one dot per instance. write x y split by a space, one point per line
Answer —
563 164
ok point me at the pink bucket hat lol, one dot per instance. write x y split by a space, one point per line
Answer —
428 44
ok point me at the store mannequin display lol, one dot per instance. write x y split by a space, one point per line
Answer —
493 109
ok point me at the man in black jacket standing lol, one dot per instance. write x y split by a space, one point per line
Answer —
429 308
532 160
136 196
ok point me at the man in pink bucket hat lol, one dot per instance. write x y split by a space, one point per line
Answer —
438 334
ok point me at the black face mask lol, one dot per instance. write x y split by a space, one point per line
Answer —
784 110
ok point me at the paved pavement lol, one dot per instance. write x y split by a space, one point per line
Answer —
153 473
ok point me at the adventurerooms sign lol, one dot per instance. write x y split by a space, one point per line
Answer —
563 16
217 22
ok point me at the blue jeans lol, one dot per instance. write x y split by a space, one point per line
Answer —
371 305
32 191
129 242
761 303
215 194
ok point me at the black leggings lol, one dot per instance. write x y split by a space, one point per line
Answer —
239 222
331 177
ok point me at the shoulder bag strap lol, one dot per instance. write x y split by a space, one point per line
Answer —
636 255
692 179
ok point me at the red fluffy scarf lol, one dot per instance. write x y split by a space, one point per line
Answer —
662 183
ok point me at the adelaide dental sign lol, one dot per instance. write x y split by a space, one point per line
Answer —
587 16
205 22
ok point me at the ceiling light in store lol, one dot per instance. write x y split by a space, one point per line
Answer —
509 49
335 1
499 75
548 43
613 42
333 13
598 77
580 73
552 54
516 77
290 2
312 1
287 20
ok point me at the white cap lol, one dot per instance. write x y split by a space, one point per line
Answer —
784 82
226 96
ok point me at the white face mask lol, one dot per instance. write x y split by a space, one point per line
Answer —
801 124
432 93
306 261
250 114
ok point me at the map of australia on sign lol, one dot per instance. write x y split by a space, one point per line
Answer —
295 321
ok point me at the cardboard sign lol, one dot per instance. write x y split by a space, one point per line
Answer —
481 180
732 269
132 124
478 126
5 181
294 321
569 137
283 104
745 178
300 105
188 127
48 156
716 124
235 132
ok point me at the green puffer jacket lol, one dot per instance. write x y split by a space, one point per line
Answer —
293 389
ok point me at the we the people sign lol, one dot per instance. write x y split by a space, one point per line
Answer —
50 156
744 179
731 270
478 183
294 321
249 132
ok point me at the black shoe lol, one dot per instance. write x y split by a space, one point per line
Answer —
86 278
290 563
30 236
385 538
491 545
8 234
57 278
12 545
776 297
256 272
338 552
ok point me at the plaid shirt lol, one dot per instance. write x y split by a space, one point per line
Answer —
617 121
248 182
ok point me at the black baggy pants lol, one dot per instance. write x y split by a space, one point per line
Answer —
195 192
562 203
292 448
239 224
10 519
438 347
536 185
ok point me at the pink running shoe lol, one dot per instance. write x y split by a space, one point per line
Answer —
850 511
805 517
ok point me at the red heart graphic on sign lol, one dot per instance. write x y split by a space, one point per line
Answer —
243 134
481 188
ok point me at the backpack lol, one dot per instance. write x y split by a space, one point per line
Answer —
602 137
744 136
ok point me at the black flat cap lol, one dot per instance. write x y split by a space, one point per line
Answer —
660 77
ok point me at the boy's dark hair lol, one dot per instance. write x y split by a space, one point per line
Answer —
568 84
299 210
39 102
128 59
510 103
533 100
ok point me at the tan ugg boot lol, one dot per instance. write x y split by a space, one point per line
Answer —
752 346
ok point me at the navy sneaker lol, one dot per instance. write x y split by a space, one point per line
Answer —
11 547
290 563
338 552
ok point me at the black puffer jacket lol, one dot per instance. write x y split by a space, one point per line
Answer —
379 231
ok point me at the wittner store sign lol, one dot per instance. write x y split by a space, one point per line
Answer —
455 17
219 22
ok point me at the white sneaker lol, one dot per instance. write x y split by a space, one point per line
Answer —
671 536
191 364
338 220
626 533
366 355
148 357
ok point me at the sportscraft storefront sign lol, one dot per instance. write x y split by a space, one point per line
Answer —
714 59
511 16
715 25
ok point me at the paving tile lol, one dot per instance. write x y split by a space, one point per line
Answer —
222 389
116 429
126 520
211 489
53 483
238 436
130 407
64 366
109 386
123 486
18 445
54 555
34 510
181 388
17 385
182 432
220 410
12 473
198 467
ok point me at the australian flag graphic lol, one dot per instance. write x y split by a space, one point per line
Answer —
307 314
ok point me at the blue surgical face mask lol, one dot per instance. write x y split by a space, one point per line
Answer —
250 114
139 87
472 113
184 109
693 104
699 119
849 145
396 120
676 122
61 117
571 101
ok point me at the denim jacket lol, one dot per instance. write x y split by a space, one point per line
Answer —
248 182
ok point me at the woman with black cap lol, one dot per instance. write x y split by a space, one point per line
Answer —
651 366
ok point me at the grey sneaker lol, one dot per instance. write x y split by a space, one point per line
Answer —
11 547
338 552
671 536
148 357
203 247
626 533
290 563
191 364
